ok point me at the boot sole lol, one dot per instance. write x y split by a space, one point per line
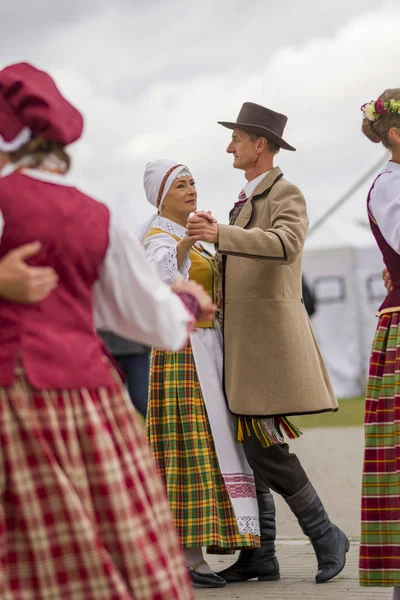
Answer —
207 585
259 578
269 578
347 548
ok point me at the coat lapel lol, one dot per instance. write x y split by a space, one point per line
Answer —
262 188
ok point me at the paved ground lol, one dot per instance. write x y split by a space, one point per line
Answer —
332 458
297 571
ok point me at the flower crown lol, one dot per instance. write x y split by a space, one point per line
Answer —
374 109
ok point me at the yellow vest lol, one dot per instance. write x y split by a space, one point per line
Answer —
203 270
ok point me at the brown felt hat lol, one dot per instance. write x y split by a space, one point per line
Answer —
265 122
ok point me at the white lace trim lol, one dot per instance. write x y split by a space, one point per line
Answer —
169 226
170 265
169 262
248 525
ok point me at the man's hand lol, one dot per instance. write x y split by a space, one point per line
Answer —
202 226
386 280
21 283
207 307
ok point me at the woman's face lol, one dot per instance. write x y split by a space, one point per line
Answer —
181 198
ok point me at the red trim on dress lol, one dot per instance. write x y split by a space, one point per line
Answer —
164 181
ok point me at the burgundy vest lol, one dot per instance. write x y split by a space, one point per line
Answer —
390 258
54 339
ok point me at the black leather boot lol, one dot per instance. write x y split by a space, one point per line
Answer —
329 542
260 562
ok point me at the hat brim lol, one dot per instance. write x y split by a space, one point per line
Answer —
259 130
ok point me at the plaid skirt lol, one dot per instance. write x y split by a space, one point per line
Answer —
83 512
182 445
380 516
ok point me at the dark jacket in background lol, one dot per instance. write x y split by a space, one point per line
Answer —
310 301
134 361
119 346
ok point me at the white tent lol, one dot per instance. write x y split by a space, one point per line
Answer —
344 266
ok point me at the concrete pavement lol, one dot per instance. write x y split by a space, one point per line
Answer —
332 458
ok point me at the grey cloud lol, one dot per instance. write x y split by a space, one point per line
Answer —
171 39
153 77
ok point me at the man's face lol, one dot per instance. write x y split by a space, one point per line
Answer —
243 150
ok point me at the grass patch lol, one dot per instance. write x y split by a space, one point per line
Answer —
350 413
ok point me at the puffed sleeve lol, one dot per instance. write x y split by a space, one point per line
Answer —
132 301
161 249
385 207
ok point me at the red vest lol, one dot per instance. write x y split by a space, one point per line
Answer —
390 258
54 340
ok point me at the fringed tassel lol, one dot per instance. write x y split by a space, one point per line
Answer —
242 427
291 431
240 430
267 431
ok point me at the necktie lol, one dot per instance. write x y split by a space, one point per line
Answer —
235 212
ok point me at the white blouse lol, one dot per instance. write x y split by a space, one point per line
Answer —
384 204
161 250
129 298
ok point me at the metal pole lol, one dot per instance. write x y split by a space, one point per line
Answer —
347 195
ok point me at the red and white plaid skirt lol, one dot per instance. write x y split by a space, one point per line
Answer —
83 512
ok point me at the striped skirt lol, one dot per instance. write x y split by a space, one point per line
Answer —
380 517
83 512
182 444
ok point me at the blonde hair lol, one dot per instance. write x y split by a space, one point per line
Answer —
378 130
38 149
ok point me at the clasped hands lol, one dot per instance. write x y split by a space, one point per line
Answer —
202 227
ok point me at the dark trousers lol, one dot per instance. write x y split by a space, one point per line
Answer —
137 370
274 467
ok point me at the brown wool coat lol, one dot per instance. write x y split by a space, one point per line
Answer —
272 363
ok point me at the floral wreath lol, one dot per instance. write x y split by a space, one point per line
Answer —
374 109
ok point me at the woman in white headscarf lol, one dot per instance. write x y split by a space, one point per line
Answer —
209 483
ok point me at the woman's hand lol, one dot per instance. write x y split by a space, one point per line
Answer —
202 226
207 308
21 283
386 280
206 215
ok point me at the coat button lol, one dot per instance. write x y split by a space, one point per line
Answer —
247 215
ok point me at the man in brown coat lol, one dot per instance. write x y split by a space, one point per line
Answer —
272 364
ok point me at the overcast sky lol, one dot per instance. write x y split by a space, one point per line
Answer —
153 78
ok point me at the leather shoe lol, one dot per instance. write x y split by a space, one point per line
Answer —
205 580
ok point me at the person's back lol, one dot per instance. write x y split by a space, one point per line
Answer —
55 338
74 451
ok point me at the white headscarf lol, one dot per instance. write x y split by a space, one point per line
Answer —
158 177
